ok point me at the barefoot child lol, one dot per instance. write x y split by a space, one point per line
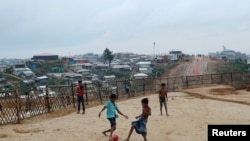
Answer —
111 115
163 98
140 124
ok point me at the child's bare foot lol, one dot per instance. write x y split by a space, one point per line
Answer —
167 114
104 133
110 139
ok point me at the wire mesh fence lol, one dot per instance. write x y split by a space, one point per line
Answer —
15 107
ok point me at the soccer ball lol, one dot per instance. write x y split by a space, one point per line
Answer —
115 137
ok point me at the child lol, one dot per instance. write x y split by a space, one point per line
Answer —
80 90
163 98
111 114
140 124
127 87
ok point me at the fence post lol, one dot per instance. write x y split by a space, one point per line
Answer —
47 99
72 94
231 79
211 78
116 83
187 81
99 91
155 82
201 79
174 84
168 87
86 91
221 78
17 105
143 85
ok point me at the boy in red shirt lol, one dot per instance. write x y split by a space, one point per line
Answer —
80 90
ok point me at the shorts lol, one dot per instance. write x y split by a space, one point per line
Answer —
140 126
163 102
112 122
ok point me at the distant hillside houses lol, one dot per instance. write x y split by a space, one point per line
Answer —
81 59
175 55
27 74
228 55
140 75
22 71
45 56
3 67
123 68
41 79
109 78
73 77
145 67
3 82
248 59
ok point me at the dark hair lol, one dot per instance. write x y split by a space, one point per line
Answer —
163 84
79 81
112 96
144 100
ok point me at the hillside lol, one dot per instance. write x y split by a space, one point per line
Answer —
195 66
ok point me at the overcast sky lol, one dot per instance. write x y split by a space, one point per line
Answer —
70 27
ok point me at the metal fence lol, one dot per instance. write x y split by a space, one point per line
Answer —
15 107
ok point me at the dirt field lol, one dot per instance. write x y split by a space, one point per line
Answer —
189 116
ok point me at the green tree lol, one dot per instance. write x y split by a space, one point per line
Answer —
237 65
108 56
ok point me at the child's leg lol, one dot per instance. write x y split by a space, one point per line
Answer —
104 132
78 105
111 132
161 108
130 132
145 139
166 109
113 127
83 106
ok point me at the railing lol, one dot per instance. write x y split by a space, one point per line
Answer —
15 107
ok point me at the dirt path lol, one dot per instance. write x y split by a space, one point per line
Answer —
196 66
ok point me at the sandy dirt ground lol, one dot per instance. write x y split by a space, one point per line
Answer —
189 116
196 66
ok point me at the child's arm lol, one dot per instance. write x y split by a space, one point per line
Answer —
122 113
99 115
147 111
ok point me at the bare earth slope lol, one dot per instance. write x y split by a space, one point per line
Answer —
196 66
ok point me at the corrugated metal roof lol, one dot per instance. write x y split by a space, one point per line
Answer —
46 54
